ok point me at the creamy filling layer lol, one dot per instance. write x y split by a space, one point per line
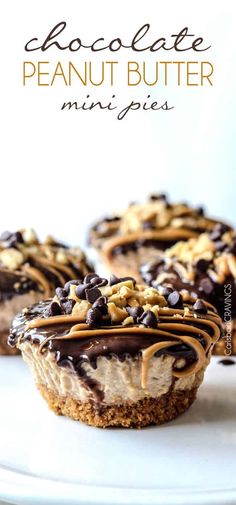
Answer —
112 381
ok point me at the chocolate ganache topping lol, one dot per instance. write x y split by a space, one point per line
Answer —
96 317
203 266
156 223
26 264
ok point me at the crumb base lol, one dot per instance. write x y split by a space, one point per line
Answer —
130 415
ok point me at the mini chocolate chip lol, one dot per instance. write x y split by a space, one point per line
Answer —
12 339
19 238
67 306
158 196
94 317
80 291
69 283
147 277
207 286
232 249
146 268
220 245
150 271
54 309
148 319
25 285
200 306
218 230
202 265
113 280
120 249
200 211
223 227
12 239
92 294
135 312
61 293
111 219
175 299
163 290
88 278
148 225
99 281
5 236
215 235
101 304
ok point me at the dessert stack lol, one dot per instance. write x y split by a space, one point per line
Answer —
129 349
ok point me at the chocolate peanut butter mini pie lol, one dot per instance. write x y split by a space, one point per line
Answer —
30 271
127 241
204 267
117 353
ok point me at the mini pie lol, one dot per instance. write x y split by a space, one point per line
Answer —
117 353
30 271
125 242
205 267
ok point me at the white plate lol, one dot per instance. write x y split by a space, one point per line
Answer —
53 460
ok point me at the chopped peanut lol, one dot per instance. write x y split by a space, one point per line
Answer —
117 315
11 258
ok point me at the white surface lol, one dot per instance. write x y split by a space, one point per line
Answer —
53 460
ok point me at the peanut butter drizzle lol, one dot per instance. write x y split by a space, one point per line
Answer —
55 264
82 326
167 234
36 275
191 329
57 274
166 311
83 330
48 321
201 358
148 354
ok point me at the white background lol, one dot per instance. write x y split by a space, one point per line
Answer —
61 170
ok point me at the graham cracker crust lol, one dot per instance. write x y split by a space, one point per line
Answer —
134 415
5 349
